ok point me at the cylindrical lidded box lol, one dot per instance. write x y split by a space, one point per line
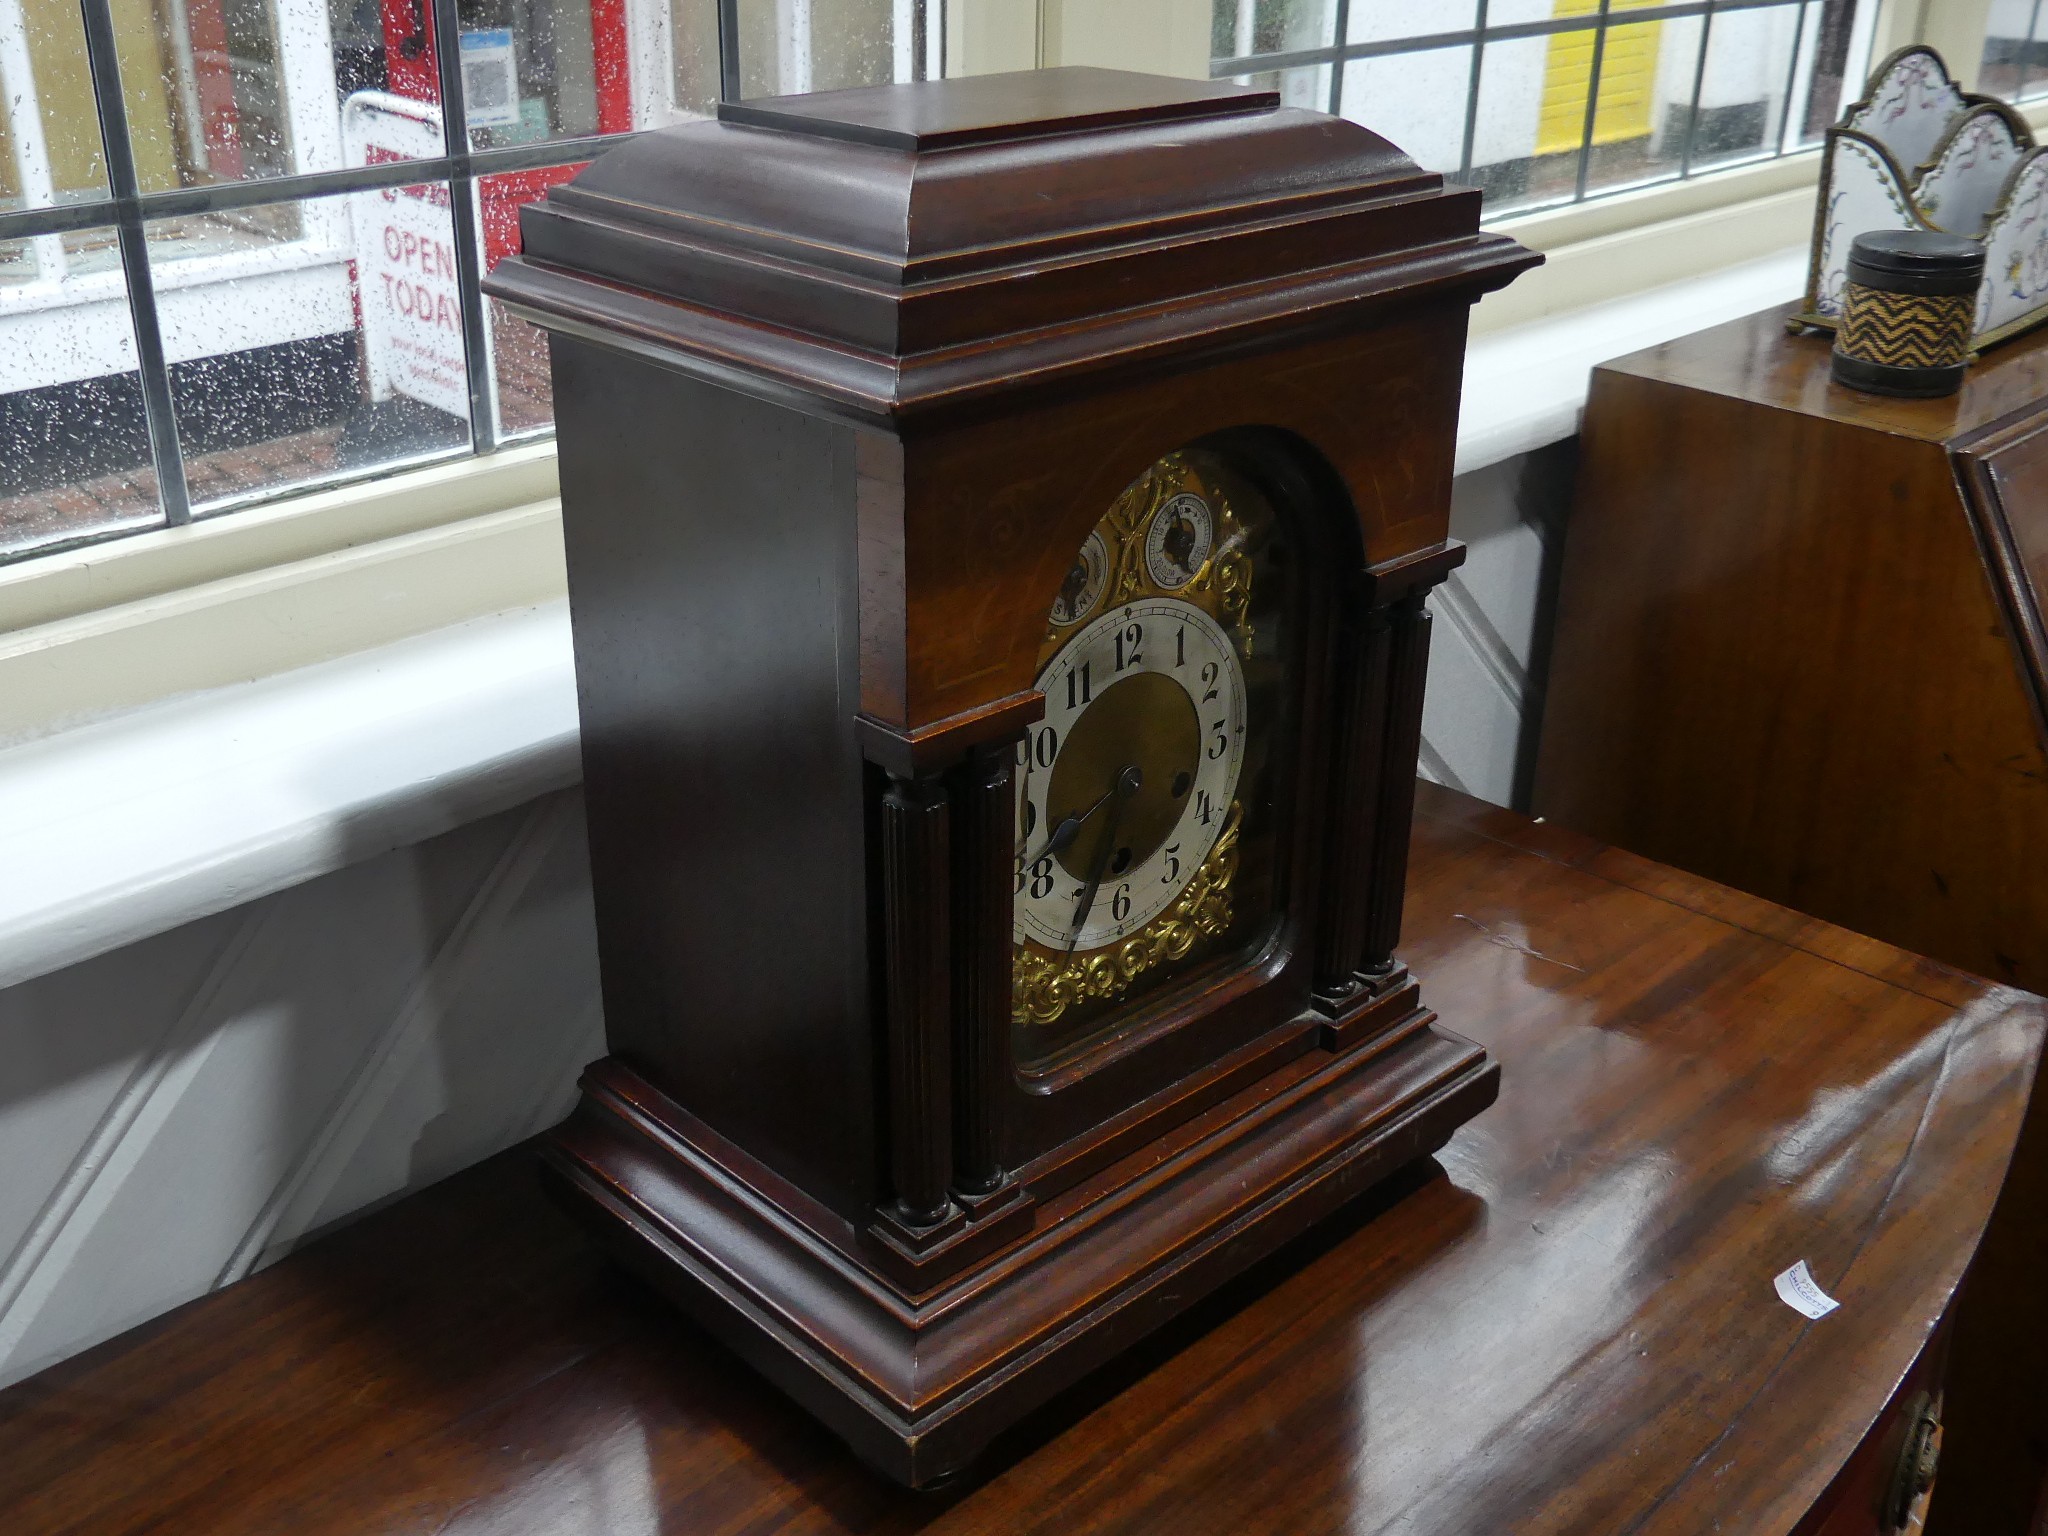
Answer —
1908 312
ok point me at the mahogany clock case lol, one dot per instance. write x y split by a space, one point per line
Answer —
842 383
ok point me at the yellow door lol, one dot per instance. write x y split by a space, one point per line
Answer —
1628 76
63 84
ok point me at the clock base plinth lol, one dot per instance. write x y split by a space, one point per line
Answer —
918 1384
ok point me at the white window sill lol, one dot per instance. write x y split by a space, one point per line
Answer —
122 828
1525 387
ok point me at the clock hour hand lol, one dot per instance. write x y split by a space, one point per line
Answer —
1125 789
1063 835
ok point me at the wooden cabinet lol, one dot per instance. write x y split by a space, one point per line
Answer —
1800 650
1799 644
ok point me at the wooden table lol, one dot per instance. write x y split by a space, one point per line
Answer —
1567 1324
1802 648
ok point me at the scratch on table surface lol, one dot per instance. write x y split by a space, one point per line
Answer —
1508 941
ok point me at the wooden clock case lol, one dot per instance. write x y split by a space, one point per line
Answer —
842 382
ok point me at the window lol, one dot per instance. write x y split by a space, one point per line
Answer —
1542 102
241 240
2015 66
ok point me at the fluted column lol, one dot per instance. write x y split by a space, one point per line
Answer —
1381 664
917 980
1358 741
982 823
1407 668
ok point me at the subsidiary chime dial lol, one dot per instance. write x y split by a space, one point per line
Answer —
1130 799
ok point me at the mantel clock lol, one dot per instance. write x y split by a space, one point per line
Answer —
999 513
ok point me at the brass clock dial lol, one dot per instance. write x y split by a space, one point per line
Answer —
1148 779
1129 779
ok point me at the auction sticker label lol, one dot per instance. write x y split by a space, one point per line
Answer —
1802 1293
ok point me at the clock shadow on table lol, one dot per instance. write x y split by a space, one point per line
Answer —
858 1498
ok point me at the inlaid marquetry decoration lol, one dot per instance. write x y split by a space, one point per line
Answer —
1128 793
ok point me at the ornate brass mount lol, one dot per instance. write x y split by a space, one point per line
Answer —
1047 985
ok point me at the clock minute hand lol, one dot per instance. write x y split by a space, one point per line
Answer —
1127 785
1069 829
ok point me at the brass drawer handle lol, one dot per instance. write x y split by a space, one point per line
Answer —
1905 1503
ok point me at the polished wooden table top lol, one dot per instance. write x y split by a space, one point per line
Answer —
1754 359
1566 1324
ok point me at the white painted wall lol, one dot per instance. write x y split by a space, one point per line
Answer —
180 1111
1492 625
1171 37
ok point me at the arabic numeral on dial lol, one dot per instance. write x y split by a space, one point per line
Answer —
1120 903
1220 742
1180 646
1172 861
1018 889
1041 878
1205 812
1210 670
1045 746
1078 690
1127 641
